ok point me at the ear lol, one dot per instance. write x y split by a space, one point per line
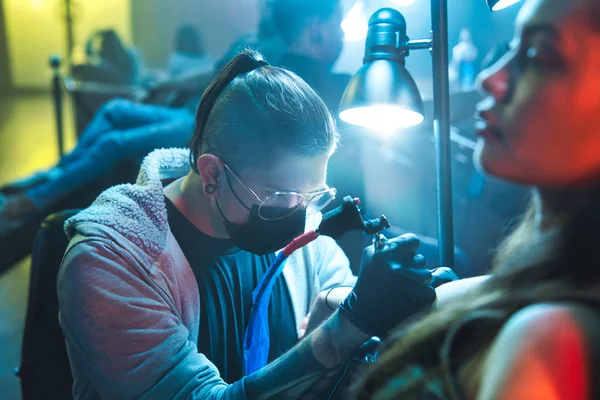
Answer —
211 169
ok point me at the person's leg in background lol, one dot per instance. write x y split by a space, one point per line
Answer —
99 158
118 114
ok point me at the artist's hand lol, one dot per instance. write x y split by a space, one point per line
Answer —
393 284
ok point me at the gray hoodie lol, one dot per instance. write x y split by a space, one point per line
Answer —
129 301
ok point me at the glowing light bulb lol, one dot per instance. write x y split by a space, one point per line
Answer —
382 118
503 4
403 3
355 25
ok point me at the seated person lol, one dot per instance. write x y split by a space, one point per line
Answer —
304 36
311 30
189 54
120 130
113 60
267 40
531 330
155 290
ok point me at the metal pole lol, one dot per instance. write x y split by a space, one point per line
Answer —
441 109
58 105
69 31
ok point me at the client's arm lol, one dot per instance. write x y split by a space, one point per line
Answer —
450 292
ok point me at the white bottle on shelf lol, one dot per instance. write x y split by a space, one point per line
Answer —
463 69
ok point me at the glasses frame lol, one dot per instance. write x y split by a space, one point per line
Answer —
306 197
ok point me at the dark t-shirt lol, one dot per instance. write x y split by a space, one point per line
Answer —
226 277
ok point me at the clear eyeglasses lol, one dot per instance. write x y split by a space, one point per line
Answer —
280 205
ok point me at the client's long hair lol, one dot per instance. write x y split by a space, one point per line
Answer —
532 266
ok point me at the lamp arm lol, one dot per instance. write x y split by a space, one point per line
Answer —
419 44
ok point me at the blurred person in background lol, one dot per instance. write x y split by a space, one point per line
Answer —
189 54
304 36
314 39
267 39
531 330
121 130
110 60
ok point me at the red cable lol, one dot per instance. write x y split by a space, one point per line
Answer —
299 242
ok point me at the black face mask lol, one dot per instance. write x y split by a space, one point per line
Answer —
259 236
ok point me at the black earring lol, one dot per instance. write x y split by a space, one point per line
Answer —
210 188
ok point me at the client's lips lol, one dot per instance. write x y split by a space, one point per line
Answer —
485 125
485 129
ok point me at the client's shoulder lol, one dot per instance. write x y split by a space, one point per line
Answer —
543 351
545 324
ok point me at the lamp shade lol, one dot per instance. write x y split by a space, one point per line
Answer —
496 5
382 95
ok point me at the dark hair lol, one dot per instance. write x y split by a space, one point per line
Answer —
187 41
110 50
594 15
291 16
254 112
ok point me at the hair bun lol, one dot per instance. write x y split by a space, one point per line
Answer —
247 61
244 62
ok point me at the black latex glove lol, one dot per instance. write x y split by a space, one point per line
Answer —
393 284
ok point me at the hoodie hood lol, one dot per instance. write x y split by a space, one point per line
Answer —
136 211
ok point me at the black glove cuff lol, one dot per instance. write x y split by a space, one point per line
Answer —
347 310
